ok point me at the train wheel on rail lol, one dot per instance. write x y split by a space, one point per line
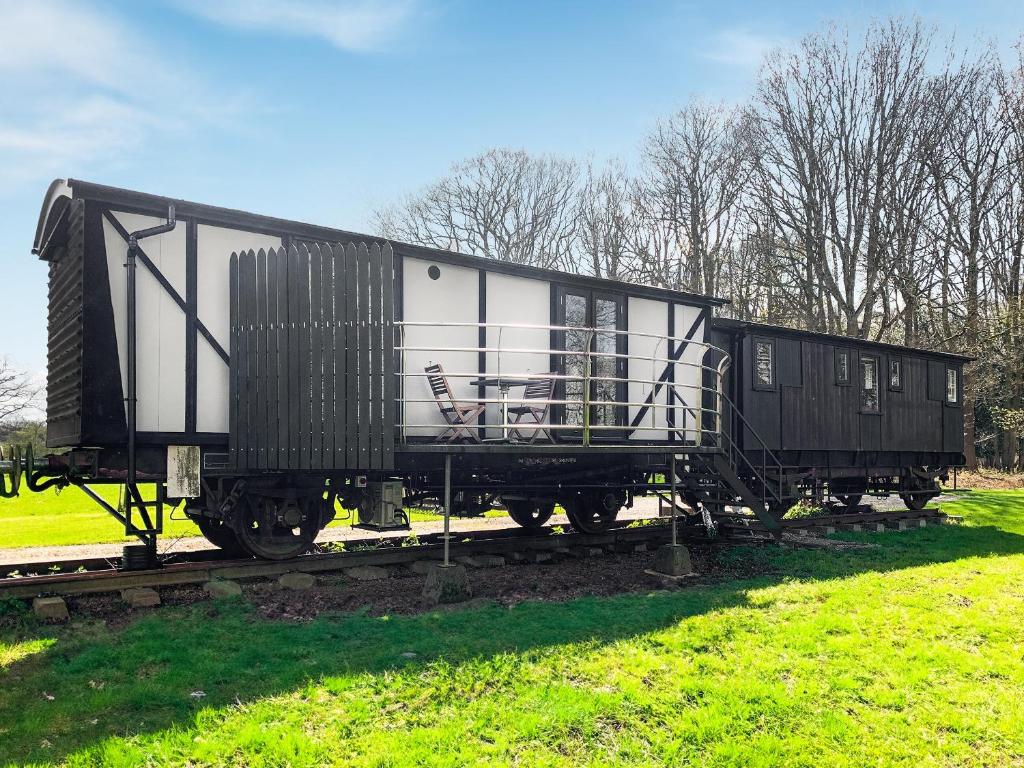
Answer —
593 511
530 513
918 491
220 535
917 500
279 529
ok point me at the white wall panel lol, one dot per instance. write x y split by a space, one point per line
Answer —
214 247
212 389
523 301
160 322
688 373
647 316
452 297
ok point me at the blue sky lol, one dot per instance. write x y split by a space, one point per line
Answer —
322 111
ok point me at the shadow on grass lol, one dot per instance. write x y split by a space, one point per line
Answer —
140 679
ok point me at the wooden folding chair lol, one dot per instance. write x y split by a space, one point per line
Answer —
459 416
537 413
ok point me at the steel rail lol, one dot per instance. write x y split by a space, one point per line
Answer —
180 574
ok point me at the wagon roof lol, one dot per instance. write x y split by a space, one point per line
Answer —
848 341
252 221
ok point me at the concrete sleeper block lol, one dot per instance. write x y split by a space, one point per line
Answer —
222 588
297 580
51 609
446 584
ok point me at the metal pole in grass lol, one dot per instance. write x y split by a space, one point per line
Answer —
672 471
447 501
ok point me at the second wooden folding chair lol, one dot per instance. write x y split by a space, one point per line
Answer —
535 414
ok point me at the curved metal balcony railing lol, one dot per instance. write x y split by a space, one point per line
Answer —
600 396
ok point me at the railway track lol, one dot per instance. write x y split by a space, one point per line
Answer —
738 526
96 575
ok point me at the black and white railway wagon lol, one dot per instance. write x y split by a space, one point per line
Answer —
269 373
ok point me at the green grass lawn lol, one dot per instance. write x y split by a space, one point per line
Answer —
71 517
907 654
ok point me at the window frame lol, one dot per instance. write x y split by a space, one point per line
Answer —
861 389
898 387
848 381
957 382
755 384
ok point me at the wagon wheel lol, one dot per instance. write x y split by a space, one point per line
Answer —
593 512
917 500
278 529
849 500
530 513
218 533
919 492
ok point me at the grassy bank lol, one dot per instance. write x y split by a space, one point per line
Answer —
905 654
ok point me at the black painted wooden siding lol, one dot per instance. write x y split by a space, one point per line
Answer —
66 334
312 358
809 411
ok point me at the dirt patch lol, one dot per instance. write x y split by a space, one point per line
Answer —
989 480
115 611
566 579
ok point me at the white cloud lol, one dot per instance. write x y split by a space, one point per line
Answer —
352 25
741 48
82 85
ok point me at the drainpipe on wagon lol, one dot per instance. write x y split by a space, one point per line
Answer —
130 395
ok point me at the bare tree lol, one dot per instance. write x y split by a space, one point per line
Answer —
831 129
503 204
17 392
685 203
604 218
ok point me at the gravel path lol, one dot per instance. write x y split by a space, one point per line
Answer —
645 507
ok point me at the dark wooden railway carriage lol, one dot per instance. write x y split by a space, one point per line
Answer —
264 370
844 416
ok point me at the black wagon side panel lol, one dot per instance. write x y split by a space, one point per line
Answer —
293 388
65 334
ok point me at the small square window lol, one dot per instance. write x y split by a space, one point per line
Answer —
764 364
952 386
895 373
869 396
842 366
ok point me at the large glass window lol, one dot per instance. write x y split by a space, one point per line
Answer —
869 384
605 364
575 341
586 311
764 364
952 386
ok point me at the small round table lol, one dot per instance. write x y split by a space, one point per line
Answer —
504 384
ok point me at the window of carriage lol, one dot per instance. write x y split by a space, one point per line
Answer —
869 396
895 373
764 363
952 386
842 366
